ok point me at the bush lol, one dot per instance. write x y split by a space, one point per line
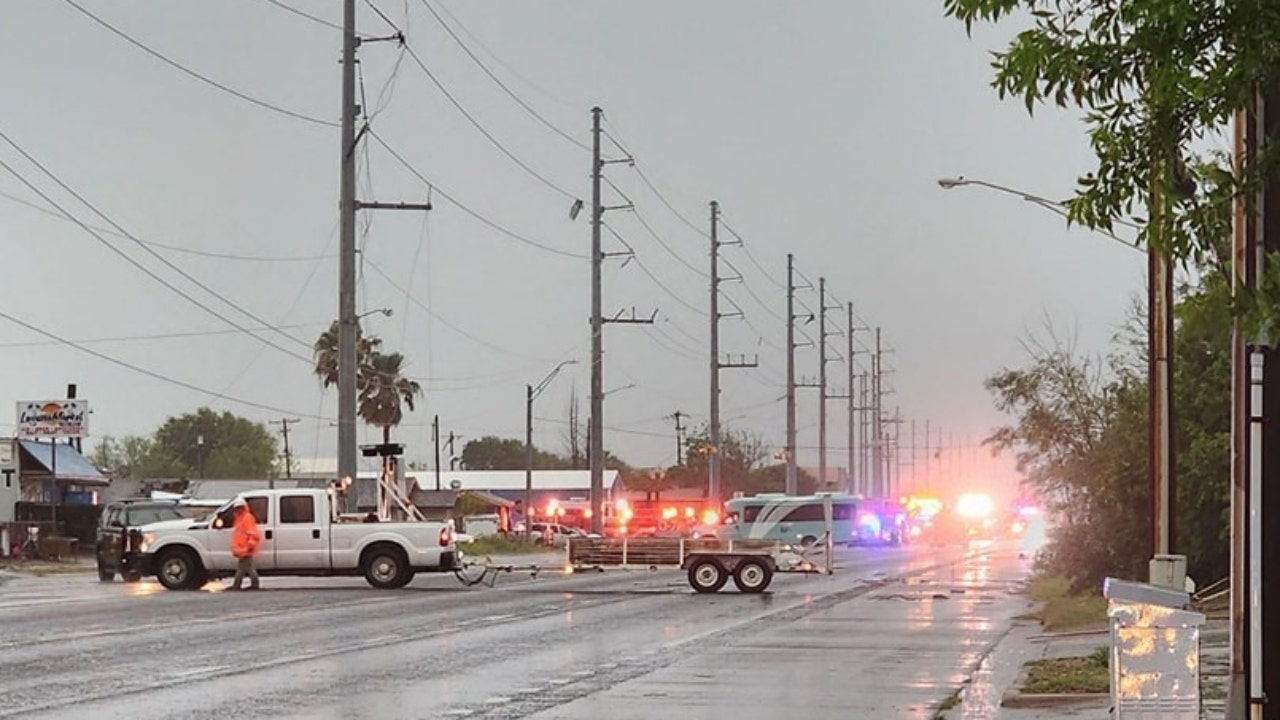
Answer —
1061 608
497 545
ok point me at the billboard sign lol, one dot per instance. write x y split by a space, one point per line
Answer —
53 419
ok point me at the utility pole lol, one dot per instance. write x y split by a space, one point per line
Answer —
877 428
853 401
435 438
790 486
348 322
914 474
453 457
679 437
595 440
284 424
928 460
347 261
595 423
864 443
713 461
822 383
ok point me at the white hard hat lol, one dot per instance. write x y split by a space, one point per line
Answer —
239 502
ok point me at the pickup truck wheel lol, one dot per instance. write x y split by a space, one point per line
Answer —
752 576
179 569
707 575
387 568
132 577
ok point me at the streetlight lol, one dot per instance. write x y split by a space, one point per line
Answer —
531 393
1159 361
385 312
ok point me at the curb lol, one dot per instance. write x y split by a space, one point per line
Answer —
1014 699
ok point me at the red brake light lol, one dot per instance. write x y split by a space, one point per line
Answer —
446 536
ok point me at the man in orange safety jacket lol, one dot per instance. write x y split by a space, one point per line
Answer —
245 540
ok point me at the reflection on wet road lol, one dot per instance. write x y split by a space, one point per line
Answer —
892 634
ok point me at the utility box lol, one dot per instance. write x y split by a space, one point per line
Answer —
1155 652
1169 571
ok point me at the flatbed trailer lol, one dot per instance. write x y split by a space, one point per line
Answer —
709 564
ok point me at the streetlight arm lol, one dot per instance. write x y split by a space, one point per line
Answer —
1055 206
536 391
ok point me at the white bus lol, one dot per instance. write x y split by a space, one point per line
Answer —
799 519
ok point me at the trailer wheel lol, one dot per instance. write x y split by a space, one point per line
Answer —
808 541
707 575
752 576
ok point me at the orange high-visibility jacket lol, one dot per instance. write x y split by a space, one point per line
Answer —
245 537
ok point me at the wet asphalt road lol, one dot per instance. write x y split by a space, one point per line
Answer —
892 634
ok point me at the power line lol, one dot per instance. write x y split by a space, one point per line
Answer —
747 286
644 268
151 373
750 256
202 78
142 267
499 82
304 14
154 336
479 341
488 135
490 223
172 248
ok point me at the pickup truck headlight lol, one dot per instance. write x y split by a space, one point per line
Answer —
147 540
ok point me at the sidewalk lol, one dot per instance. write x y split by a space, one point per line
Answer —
993 691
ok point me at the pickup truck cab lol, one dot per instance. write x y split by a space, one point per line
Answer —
301 535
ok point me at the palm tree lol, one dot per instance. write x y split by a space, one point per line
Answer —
326 353
384 391
381 386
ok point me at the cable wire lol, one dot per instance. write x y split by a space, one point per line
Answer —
443 321
492 224
172 248
156 277
499 82
202 78
151 373
488 135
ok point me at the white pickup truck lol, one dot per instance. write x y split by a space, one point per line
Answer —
301 535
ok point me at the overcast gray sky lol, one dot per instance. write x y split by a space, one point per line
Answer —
820 127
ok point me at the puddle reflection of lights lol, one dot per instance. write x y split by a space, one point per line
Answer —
141 589
213 586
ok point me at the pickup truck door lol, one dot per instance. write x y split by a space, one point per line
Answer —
301 537
219 538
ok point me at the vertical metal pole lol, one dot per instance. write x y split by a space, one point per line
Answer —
915 472
435 433
528 459
864 443
822 383
713 461
596 439
347 322
791 484
853 402
877 434
928 480
1257 686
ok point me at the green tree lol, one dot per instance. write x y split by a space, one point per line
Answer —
1202 383
495 453
1079 439
133 457
1155 78
740 451
233 447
